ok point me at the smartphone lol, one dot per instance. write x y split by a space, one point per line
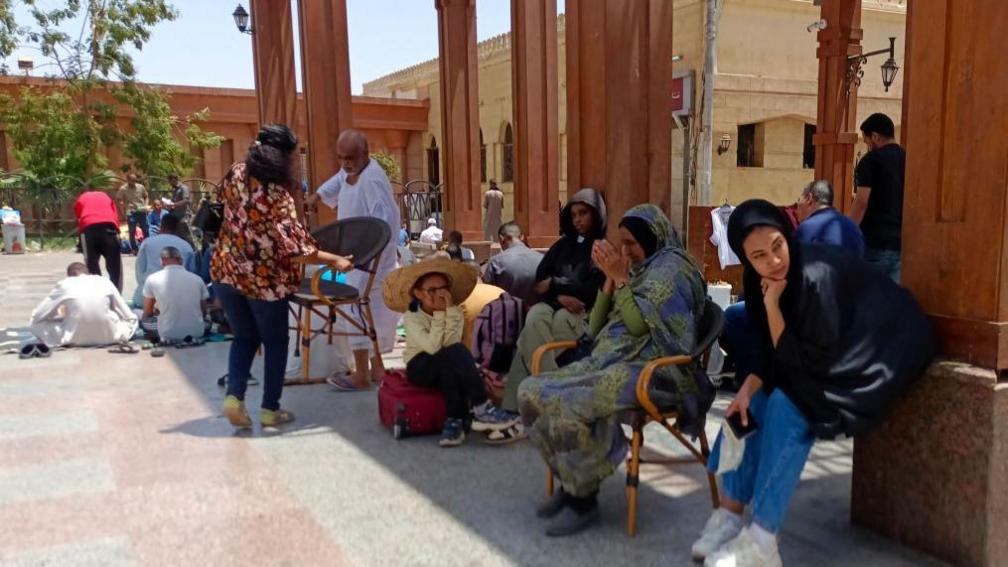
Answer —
741 431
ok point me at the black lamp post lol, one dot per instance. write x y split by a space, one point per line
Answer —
889 68
241 19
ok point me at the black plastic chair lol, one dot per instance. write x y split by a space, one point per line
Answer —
364 238
708 330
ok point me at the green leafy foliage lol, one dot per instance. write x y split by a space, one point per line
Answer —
389 164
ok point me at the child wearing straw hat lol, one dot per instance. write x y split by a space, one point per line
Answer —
431 293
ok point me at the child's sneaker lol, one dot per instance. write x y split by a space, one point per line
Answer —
271 418
487 417
453 433
235 412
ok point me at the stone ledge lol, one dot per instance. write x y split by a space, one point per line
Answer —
934 475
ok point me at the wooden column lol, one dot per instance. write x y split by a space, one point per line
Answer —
460 117
534 94
273 56
619 80
836 128
325 67
955 244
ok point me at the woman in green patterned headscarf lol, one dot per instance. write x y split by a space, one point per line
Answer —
650 306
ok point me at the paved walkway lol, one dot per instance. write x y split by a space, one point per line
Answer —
110 459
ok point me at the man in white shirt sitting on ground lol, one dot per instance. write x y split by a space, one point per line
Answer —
178 297
83 310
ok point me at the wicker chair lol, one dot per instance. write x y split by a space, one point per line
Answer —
709 328
364 238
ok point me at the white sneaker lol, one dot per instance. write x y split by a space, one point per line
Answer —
722 527
743 551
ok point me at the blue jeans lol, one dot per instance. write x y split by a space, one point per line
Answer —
255 322
133 220
739 340
772 462
888 261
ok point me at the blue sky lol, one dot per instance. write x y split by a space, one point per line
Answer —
202 47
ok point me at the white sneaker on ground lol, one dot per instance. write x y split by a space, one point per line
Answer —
744 551
722 527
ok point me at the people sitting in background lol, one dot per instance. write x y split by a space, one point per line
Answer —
154 217
649 307
149 255
431 293
820 224
432 234
514 269
455 242
567 283
838 342
83 310
177 298
98 228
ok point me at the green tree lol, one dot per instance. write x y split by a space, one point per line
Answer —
389 164
62 131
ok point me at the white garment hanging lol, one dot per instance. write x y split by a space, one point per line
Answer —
719 236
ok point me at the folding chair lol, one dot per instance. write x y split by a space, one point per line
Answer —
708 330
365 238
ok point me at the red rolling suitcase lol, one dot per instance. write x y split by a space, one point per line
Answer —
409 410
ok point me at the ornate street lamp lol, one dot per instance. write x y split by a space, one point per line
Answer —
889 68
241 19
724 144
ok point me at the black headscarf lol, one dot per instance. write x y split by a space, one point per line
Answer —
642 233
749 215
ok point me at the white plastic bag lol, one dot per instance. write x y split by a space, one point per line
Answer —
732 450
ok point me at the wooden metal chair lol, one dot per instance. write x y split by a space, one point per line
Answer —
708 330
365 238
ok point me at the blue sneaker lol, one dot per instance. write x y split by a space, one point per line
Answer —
453 433
487 417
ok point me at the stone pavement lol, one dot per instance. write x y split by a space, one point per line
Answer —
111 459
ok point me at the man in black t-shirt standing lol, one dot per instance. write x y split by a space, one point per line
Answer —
878 203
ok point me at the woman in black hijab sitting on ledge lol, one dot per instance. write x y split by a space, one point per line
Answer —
838 342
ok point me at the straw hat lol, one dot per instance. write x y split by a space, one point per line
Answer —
399 284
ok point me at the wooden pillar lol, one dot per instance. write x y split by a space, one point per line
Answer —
273 56
460 117
955 246
534 94
325 66
836 128
934 474
619 79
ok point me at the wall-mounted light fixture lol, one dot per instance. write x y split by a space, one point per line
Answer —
724 145
241 19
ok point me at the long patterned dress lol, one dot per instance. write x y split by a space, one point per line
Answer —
571 413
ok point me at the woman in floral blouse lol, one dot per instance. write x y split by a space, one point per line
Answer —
255 268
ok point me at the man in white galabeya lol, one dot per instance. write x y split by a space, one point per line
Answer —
361 189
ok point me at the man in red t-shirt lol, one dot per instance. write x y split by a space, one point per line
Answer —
98 227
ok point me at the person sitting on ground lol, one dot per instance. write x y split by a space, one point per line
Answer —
514 269
568 282
148 258
649 307
177 297
154 217
431 293
839 341
820 224
83 310
455 239
432 234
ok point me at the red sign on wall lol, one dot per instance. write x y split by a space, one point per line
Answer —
682 95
